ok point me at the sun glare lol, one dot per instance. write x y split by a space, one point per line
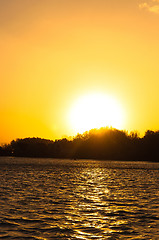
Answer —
96 111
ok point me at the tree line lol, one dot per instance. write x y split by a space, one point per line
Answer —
103 144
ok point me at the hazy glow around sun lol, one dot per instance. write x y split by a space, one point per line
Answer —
95 111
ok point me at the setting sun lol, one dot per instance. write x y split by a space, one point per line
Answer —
79 119
69 66
94 111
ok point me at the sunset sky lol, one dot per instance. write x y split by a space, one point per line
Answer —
54 52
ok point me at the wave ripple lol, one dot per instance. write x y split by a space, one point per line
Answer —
64 199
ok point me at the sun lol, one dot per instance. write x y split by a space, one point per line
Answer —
95 110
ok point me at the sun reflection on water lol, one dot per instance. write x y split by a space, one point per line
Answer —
92 197
79 200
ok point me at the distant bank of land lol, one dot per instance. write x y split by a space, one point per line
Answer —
104 143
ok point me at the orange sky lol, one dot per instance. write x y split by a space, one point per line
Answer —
54 51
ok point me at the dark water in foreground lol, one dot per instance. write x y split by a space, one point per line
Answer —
64 199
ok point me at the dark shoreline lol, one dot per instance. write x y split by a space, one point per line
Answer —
102 144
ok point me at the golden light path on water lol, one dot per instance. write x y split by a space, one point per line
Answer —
82 199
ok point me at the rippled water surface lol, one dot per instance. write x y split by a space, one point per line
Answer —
80 199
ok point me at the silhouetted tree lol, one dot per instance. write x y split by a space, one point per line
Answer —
104 143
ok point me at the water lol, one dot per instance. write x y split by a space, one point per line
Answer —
64 199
